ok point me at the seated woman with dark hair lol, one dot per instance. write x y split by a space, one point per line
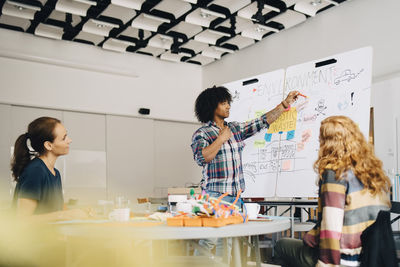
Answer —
352 190
38 194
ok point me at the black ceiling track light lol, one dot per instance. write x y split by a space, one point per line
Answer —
193 31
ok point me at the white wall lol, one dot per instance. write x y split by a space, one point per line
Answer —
351 25
385 97
110 155
168 89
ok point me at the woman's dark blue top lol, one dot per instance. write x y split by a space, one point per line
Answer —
38 183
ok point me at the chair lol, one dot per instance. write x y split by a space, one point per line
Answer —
396 234
378 246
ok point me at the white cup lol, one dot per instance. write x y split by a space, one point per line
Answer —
121 202
252 210
120 215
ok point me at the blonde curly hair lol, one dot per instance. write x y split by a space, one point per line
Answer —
343 147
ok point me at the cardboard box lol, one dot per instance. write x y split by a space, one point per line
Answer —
175 221
192 222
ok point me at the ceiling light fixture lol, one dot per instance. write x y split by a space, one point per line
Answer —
204 15
273 8
156 18
220 33
332 2
184 54
211 13
225 50
262 28
121 42
21 6
316 2
103 24
164 38
259 29
87 2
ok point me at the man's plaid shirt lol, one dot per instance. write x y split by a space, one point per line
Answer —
224 173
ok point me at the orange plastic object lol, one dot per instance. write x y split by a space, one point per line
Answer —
236 199
192 222
204 221
221 197
175 221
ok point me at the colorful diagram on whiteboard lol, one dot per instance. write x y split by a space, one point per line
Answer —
286 123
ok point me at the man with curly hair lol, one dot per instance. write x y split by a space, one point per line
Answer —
217 146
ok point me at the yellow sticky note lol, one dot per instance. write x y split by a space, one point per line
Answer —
285 123
259 143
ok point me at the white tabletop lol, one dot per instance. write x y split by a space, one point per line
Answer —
163 232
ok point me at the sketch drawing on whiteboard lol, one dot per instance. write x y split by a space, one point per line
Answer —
250 170
321 107
347 75
236 96
288 158
274 158
262 161
343 103
288 151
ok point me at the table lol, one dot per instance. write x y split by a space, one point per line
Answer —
300 203
164 232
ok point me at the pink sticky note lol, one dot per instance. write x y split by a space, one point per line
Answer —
306 136
300 147
286 165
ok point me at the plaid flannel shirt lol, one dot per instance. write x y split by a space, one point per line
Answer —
224 173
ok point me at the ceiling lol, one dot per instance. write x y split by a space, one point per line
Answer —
192 31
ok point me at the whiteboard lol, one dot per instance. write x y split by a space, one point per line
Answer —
251 98
336 85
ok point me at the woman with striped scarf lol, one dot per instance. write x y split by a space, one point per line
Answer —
353 188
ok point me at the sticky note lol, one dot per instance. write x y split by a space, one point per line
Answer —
259 143
290 135
305 137
268 137
300 147
286 165
285 123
